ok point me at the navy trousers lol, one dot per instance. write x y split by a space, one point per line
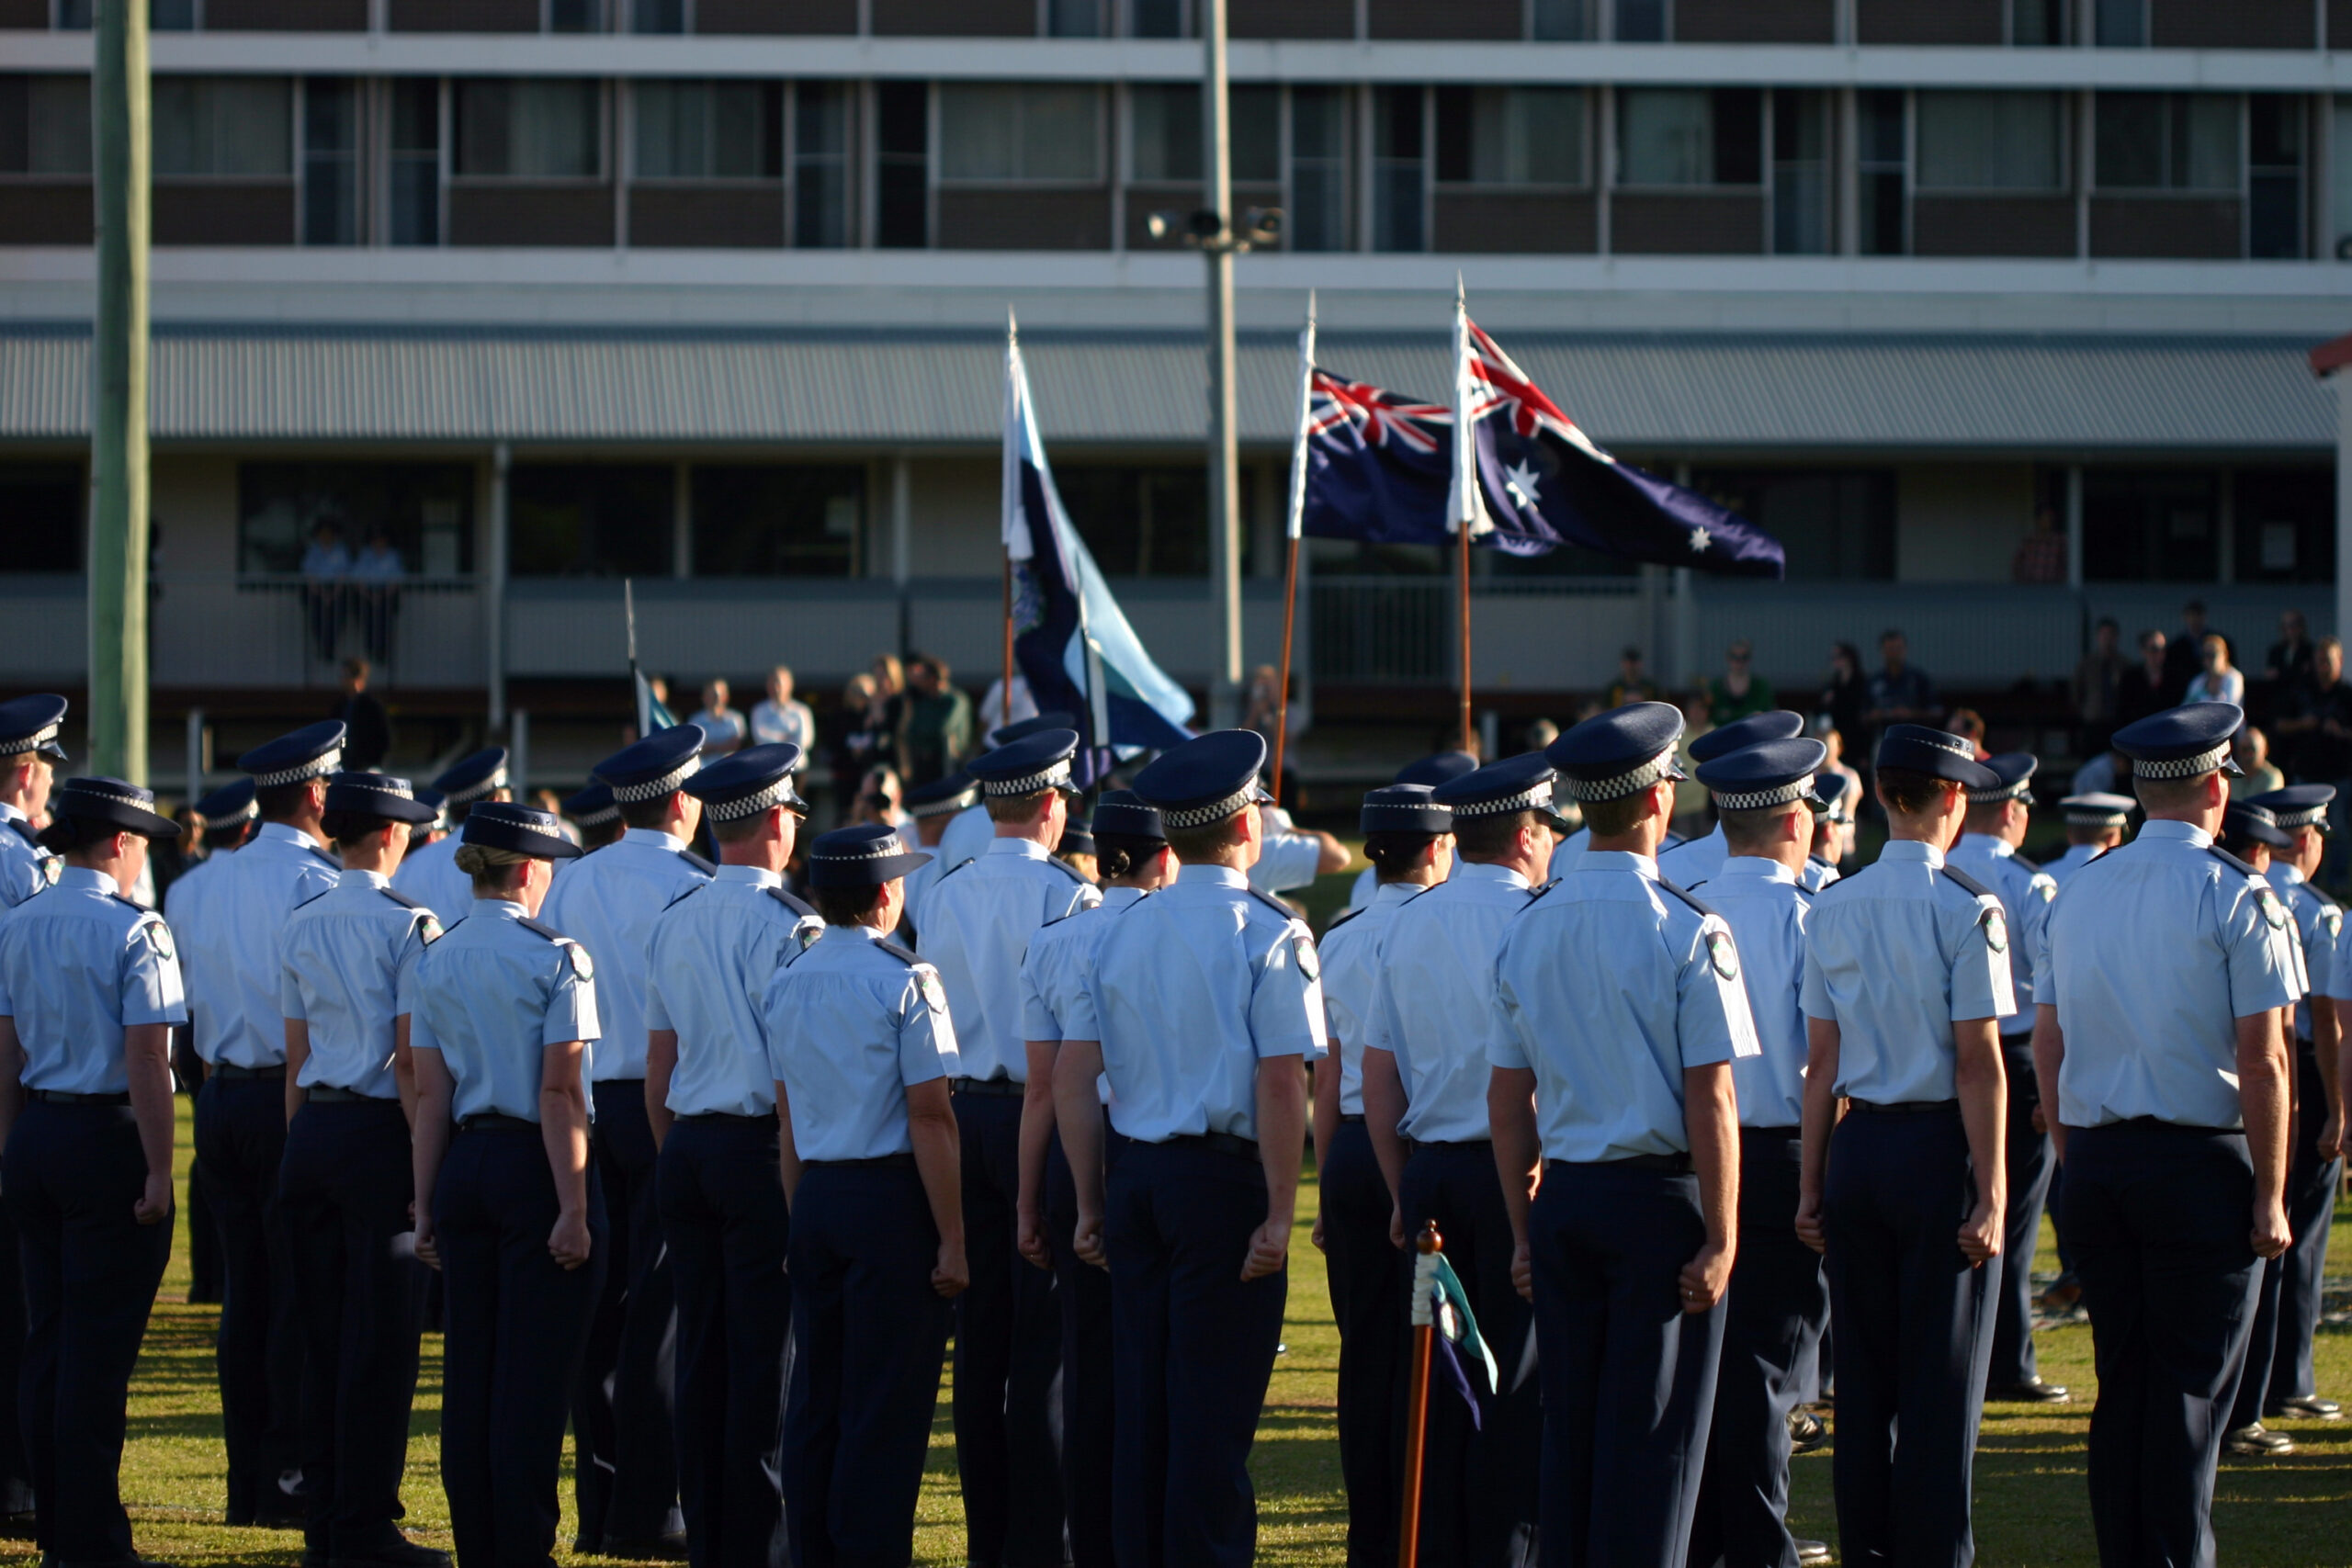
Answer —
1364 1270
1479 1484
1084 1294
1194 1346
2312 1186
517 1322
343 1193
2261 1344
1772 1323
868 1334
1915 1332
73 1174
16 1470
724 1214
1628 1376
240 1137
2026 1153
626 1475
1008 1357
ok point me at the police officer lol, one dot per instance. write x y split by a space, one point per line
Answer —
967 832
935 808
1205 1007
1685 864
626 1468
1767 798
862 1050
227 815
594 811
2094 824
1996 824
1409 839
1055 973
431 876
1429 773
711 1100
977 919
2172 1096
509 1208
28 748
2315 1169
1833 831
89 991
346 987
1906 979
428 833
1425 1080
233 986
1077 849
1617 1011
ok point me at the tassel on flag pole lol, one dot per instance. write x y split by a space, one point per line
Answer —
1428 1248
1298 518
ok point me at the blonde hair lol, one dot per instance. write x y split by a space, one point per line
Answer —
488 865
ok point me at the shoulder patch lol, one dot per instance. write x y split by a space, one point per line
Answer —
428 926
806 932
2274 912
1968 884
1703 909
2333 919
51 868
1723 953
1341 918
1997 926
935 995
160 935
1310 964
697 861
2045 885
688 891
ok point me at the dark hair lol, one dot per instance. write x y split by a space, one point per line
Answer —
736 829
1474 837
1123 854
65 834
1748 831
1911 791
647 813
846 906
280 801
348 828
1392 854
1208 842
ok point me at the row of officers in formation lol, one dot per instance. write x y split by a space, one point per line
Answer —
1674 1114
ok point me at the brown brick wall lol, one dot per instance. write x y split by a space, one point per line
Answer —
732 217
2235 24
2197 228
956 19
464 16
30 15
1292 18
799 17
47 212
209 212
497 213
1453 19
1754 21
286 15
1928 21
1687 225
1553 224
1992 226
972 219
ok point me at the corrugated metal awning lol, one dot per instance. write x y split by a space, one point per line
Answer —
915 387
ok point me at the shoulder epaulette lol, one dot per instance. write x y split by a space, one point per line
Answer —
133 904
2032 868
312 899
895 951
1673 840
956 867
1700 906
2227 859
548 931
25 831
699 863
1270 902
688 891
785 899
1696 885
1341 918
1419 893
324 859
1069 870
404 901
1535 893
1974 888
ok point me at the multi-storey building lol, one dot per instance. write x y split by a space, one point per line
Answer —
711 293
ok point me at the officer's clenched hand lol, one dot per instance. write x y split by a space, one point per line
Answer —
568 1243
1086 1240
427 1248
1522 1270
1316 1235
1397 1226
1031 1239
1980 1233
1269 1248
2270 1234
1809 1229
951 1276
1706 1277
155 1205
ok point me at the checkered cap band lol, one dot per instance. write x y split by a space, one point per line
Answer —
1943 741
877 848
597 817
39 737
1216 811
2096 817
1757 799
379 785
1999 793
251 809
778 793
328 761
497 780
941 807
96 789
1623 784
2182 767
2301 816
630 794
1535 797
1030 784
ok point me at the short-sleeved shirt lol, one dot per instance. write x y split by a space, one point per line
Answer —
492 996
708 962
1287 859
231 952
1193 988
853 1023
25 867
775 723
1351 954
2319 921
1694 860
1817 873
1610 987
1059 964
2160 1038
1767 909
2025 891
431 877
977 923
1430 997
78 966
347 966
1894 955
607 902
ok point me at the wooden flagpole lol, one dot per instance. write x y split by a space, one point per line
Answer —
1295 525
1004 705
1462 534
1416 1409
1281 701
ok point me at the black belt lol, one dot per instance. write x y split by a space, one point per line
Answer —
2019 1042
2158 1124
1901 1107
1345 1119
726 1119
879 1162
992 1088
66 1097
1222 1143
324 1094
1669 1165
492 1122
1455 1143
228 1073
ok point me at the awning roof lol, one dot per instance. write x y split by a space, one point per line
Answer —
916 387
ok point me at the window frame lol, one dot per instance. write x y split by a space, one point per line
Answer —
609 129
853 105
362 160
2170 99
1760 185
30 175
1586 107
2064 155
773 142
941 180
293 171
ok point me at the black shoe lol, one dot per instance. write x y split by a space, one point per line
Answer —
668 1546
2254 1442
1811 1550
133 1561
2305 1407
2033 1391
1807 1431
398 1552
282 1513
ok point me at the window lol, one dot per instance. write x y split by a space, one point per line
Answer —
1140 522
591 519
425 510
171 16
902 171
1884 170
42 502
1164 133
1511 136
2039 23
329 161
1983 141
708 131
1800 173
44 125
1641 21
2167 142
1030 132
2142 526
1074 18
575 15
1399 168
530 129
1158 18
1689 136
229 127
820 165
1558 20
2285 524
1837 524
1318 211
777 522
2119 24
415 162
657 16
2274 179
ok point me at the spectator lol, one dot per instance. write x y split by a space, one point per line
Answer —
1834 739
2323 755
2285 669
324 566
880 798
992 715
1693 807
854 738
889 690
2216 681
2041 554
2110 773
2185 653
722 727
2096 676
1899 693
1542 732
1631 684
1969 725
367 728
934 723
2139 690
2252 751
375 593
781 719
1847 696
1737 692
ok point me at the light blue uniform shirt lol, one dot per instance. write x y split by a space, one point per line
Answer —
2025 894
1894 955
1432 994
348 967
231 952
1361 891
1193 988
1767 909
2320 923
492 996
1610 989
77 967
2150 1038
1287 859
431 877
969 833
976 924
1059 964
1694 859
851 1023
25 867
1350 954
607 904
1817 874
2076 857
919 881
712 954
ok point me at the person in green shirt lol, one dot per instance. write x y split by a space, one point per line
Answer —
1737 693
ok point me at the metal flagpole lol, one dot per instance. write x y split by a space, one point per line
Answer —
1417 1410
1012 503
1468 506
1298 523
1225 474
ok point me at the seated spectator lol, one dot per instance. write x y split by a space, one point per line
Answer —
1738 692
1631 685
2216 681
2252 751
2139 690
722 727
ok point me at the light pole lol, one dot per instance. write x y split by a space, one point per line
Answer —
118 563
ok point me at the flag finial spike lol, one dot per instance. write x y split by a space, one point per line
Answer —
1012 326
1461 299
1310 307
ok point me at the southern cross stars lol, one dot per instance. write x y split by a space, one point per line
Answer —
1521 482
1700 539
